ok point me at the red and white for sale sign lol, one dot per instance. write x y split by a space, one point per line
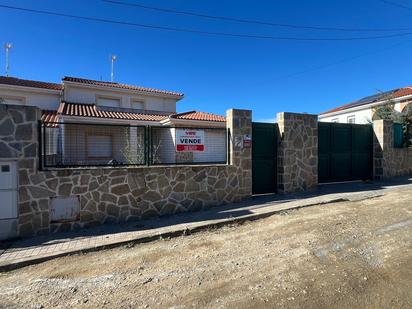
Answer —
190 140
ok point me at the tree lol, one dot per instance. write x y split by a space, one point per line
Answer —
386 111
407 124
133 152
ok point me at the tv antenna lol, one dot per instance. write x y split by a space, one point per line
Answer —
7 47
114 58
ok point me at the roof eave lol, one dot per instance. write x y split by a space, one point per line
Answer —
97 120
30 89
117 89
187 122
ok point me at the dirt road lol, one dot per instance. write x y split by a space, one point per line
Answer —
343 255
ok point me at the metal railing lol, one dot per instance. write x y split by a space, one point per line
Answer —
69 145
178 145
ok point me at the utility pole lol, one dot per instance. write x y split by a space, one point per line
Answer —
114 58
7 47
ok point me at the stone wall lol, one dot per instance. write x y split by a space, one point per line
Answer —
110 195
18 142
297 152
389 161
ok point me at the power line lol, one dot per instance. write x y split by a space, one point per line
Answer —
225 34
251 21
397 5
324 66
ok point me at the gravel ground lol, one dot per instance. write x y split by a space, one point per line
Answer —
342 255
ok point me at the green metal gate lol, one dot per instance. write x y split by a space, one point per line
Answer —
264 157
345 152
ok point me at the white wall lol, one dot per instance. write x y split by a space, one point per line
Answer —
398 107
23 97
89 95
164 145
361 116
215 147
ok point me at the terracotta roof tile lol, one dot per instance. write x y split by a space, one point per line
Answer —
50 117
392 94
118 85
91 110
402 92
196 115
28 83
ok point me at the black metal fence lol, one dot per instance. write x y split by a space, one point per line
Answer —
65 144
177 145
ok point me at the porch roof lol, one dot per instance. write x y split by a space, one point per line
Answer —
91 111
196 115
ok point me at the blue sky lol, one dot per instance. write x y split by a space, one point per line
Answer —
217 73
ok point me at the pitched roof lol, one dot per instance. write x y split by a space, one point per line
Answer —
391 94
5 80
50 118
196 115
91 110
120 86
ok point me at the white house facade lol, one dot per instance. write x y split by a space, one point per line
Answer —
362 111
89 122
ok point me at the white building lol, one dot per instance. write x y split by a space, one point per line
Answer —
362 111
67 108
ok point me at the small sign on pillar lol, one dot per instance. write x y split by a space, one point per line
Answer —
247 141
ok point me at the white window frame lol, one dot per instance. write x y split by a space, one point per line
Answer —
350 118
139 101
103 97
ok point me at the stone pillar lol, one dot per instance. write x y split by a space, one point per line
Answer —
239 124
297 152
19 143
389 161
381 141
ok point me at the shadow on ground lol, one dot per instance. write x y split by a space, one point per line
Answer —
221 212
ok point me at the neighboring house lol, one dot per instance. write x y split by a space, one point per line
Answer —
362 111
89 122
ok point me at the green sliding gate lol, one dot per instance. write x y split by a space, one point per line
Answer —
264 156
345 152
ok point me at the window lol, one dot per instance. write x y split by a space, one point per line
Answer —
335 120
99 146
351 119
109 102
137 104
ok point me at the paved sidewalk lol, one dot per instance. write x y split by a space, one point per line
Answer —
29 251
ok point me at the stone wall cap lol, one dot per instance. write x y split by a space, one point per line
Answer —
94 168
297 114
240 110
6 106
